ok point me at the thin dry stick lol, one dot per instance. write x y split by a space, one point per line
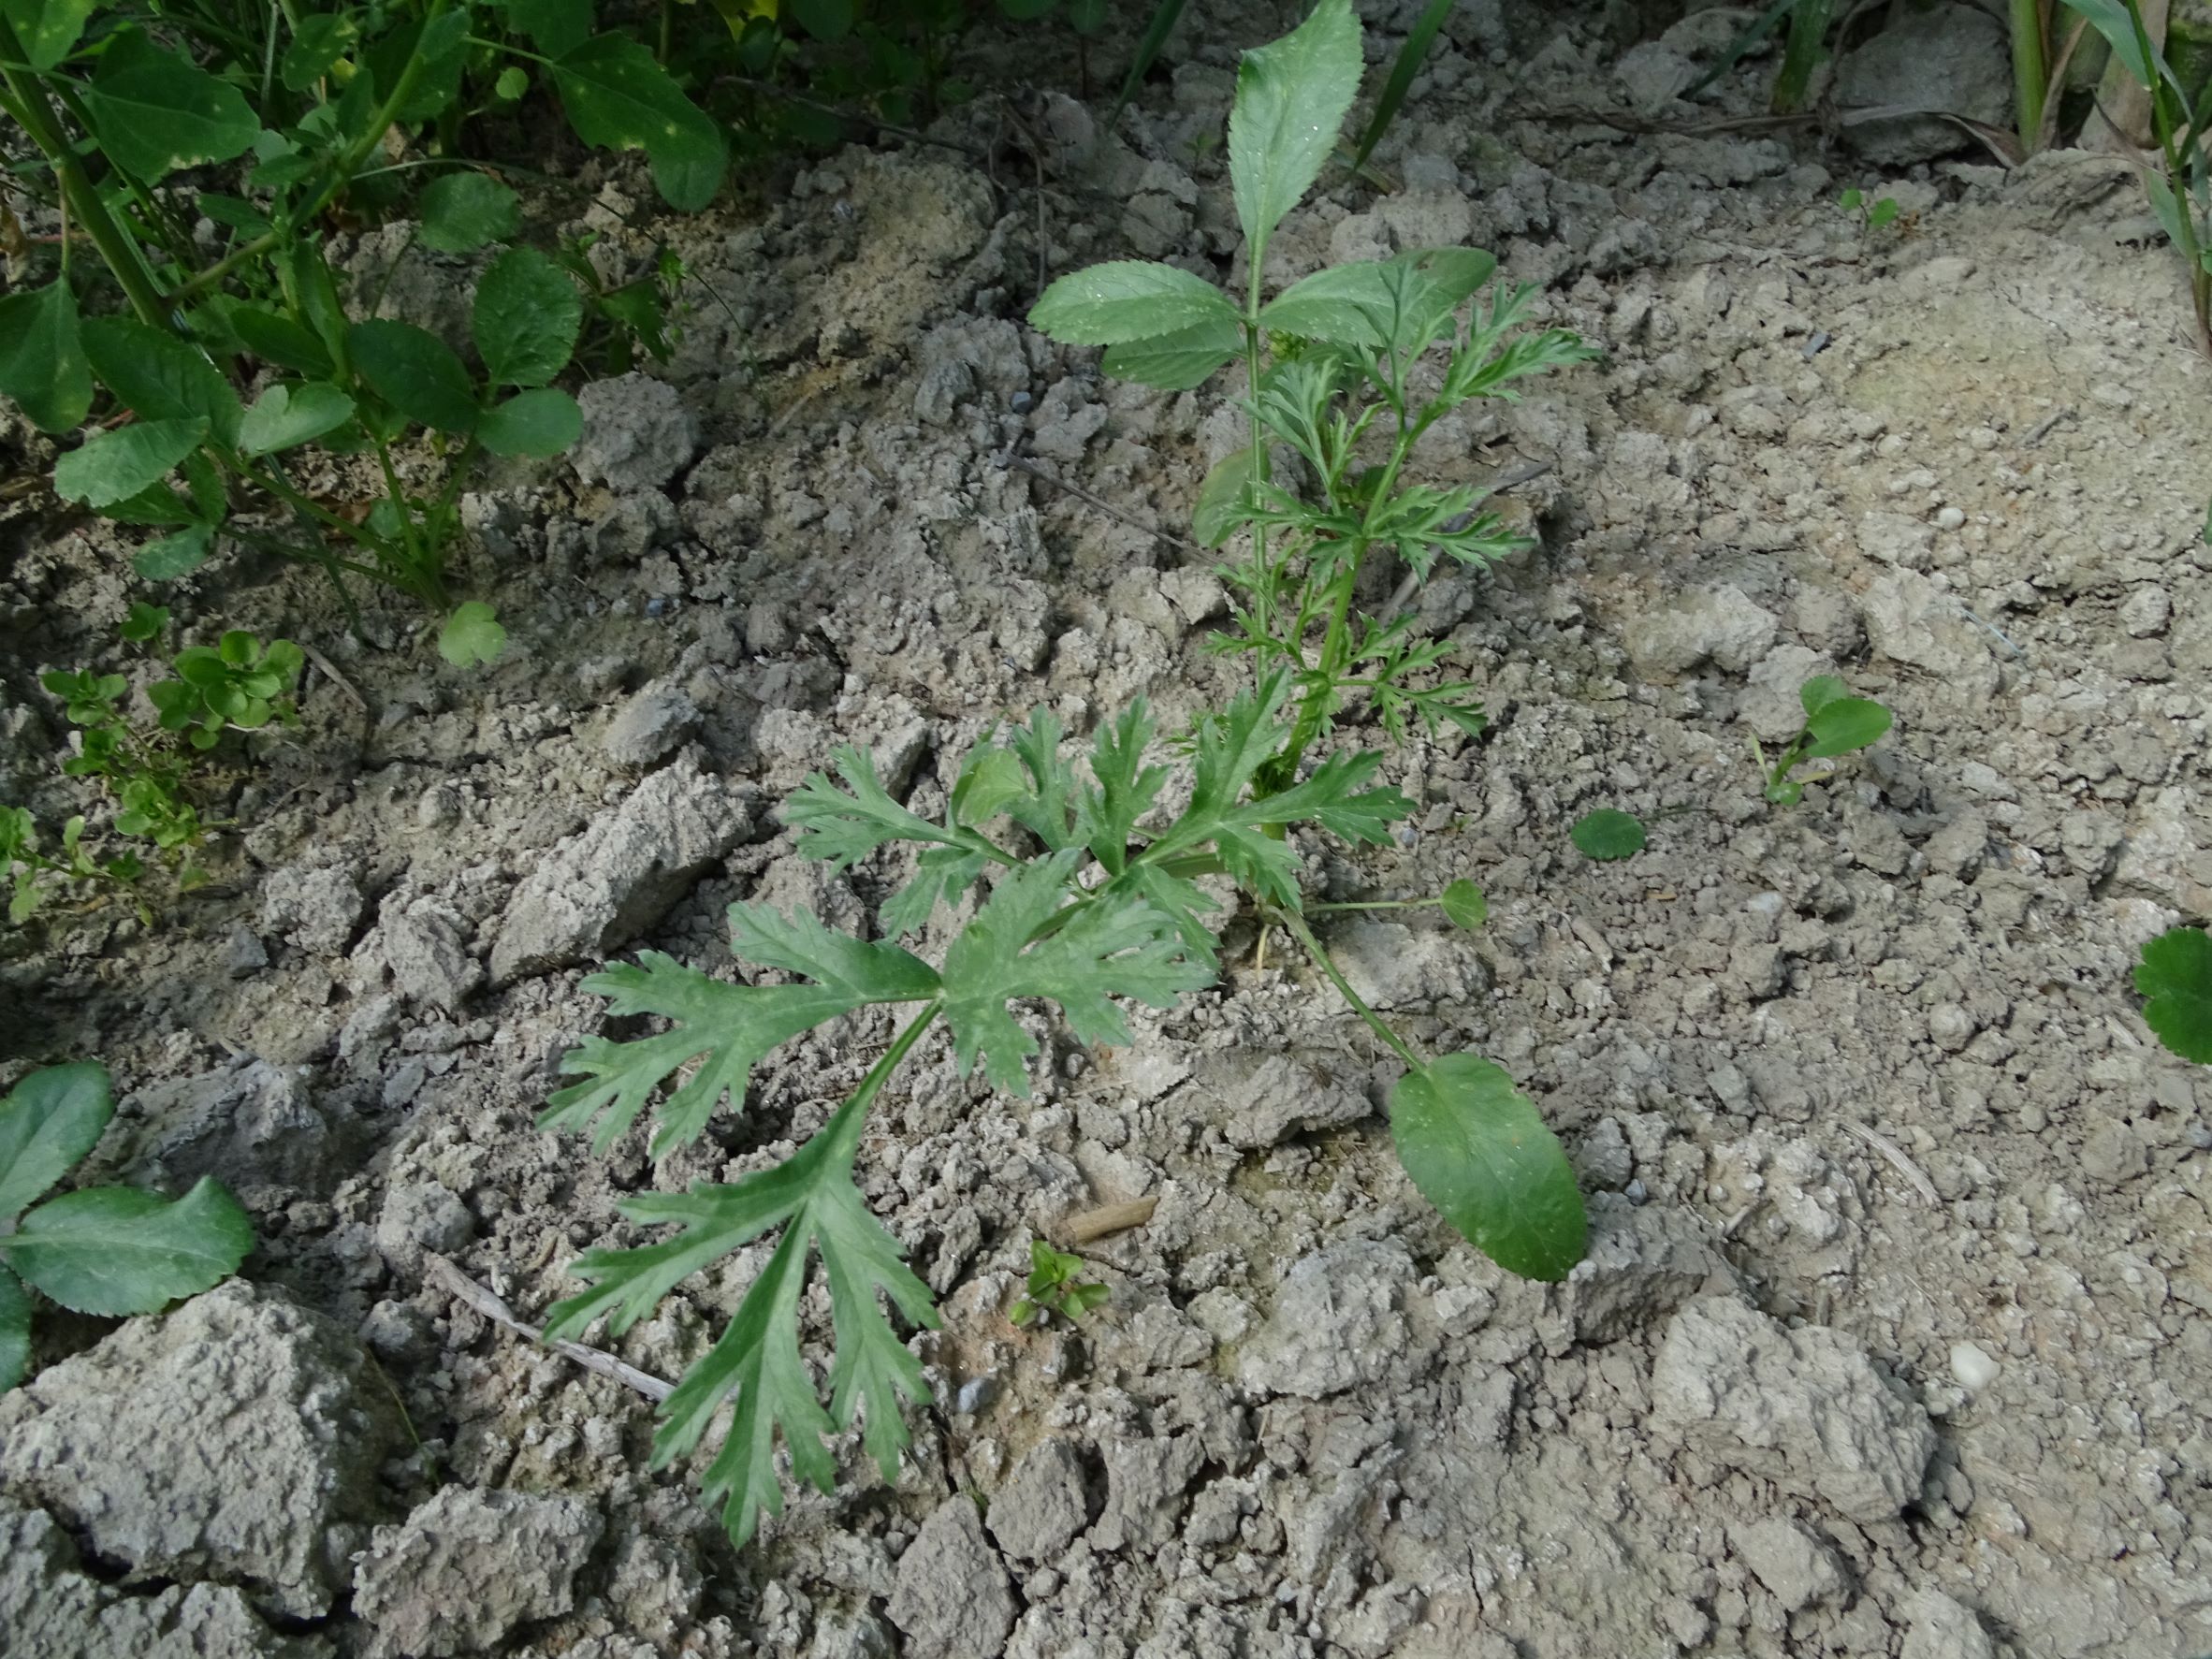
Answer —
1903 1165
1094 1225
448 1277
1081 494
335 678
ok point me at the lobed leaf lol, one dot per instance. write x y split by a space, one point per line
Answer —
844 826
473 637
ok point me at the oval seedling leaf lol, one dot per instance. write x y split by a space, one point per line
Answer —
1607 834
48 1124
1479 1150
1464 903
1129 300
1844 725
2174 972
1820 690
117 1250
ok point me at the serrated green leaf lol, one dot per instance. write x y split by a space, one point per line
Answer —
540 423
117 1250
175 556
1291 98
114 466
1479 1150
1843 724
290 413
555 26
160 377
1125 788
618 98
46 28
1106 950
155 111
2175 972
473 637
1607 834
461 211
1176 362
42 362
15 1329
416 372
1402 303
1224 500
845 827
1129 300
48 1124
1465 904
526 317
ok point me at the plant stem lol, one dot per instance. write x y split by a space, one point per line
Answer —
1305 935
844 1129
2030 77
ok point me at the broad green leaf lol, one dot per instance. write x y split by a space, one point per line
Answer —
319 41
287 415
1820 690
154 111
540 423
1129 299
116 1250
526 317
161 377
48 29
554 26
618 98
826 19
15 1329
1479 1150
1291 100
1403 303
174 556
1224 500
845 827
1464 903
416 372
42 361
48 1124
461 211
1843 724
281 341
2175 972
113 466
1607 834
1176 362
473 636
441 42
1107 950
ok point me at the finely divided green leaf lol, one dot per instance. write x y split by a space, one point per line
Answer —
619 97
416 372
1479 1150
1125 788
154 111
116 1250
114 466
841 964
461 211
42 363
1291 100
844 828
526 317
48 1124
540 423
2175 972
1130 300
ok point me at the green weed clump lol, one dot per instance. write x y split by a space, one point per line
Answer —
1084 893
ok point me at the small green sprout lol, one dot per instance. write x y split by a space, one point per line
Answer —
1873 215
1836 724
1055 1288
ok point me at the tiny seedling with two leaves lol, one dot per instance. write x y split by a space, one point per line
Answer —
109 1250
1055 1285
1836 724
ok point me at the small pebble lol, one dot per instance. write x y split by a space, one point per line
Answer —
975 1393
1818 343
1021 403
1636 1192
2199 1137
1973 1368
1950 519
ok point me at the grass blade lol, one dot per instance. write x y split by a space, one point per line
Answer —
1164 18
1410 57
1753 33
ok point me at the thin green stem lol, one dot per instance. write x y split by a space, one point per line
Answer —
2030 77
844 1129
1296 924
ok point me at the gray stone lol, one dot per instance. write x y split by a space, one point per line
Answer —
1771 704
252 1125
424 942
652 726
1798 1568
953 1599
604 887
1393 965
637 433
316 908
1146 1482
1643 1262
1041 1509
50 1609
243 953
1945 58
237 1438
1283 1094
1335 1324
1911 620
469 1565
1803 1408
1722 626
1942 1628
418 1217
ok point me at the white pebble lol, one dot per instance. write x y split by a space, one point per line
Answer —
1950 519
1972 1367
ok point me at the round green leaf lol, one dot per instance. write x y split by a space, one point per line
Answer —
48 1123
2175 973
461 212
1479 1150
416 372
154 111
1463 902
512 83
1842 724
15 1329
174 556
472 636
540 423
526 319
113 466
619 97
42 363
1607 834
116 1250
289 415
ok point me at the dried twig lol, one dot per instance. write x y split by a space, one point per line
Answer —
335 678
1093 1225
1897 1160
1022 464
446 1276
2042 429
